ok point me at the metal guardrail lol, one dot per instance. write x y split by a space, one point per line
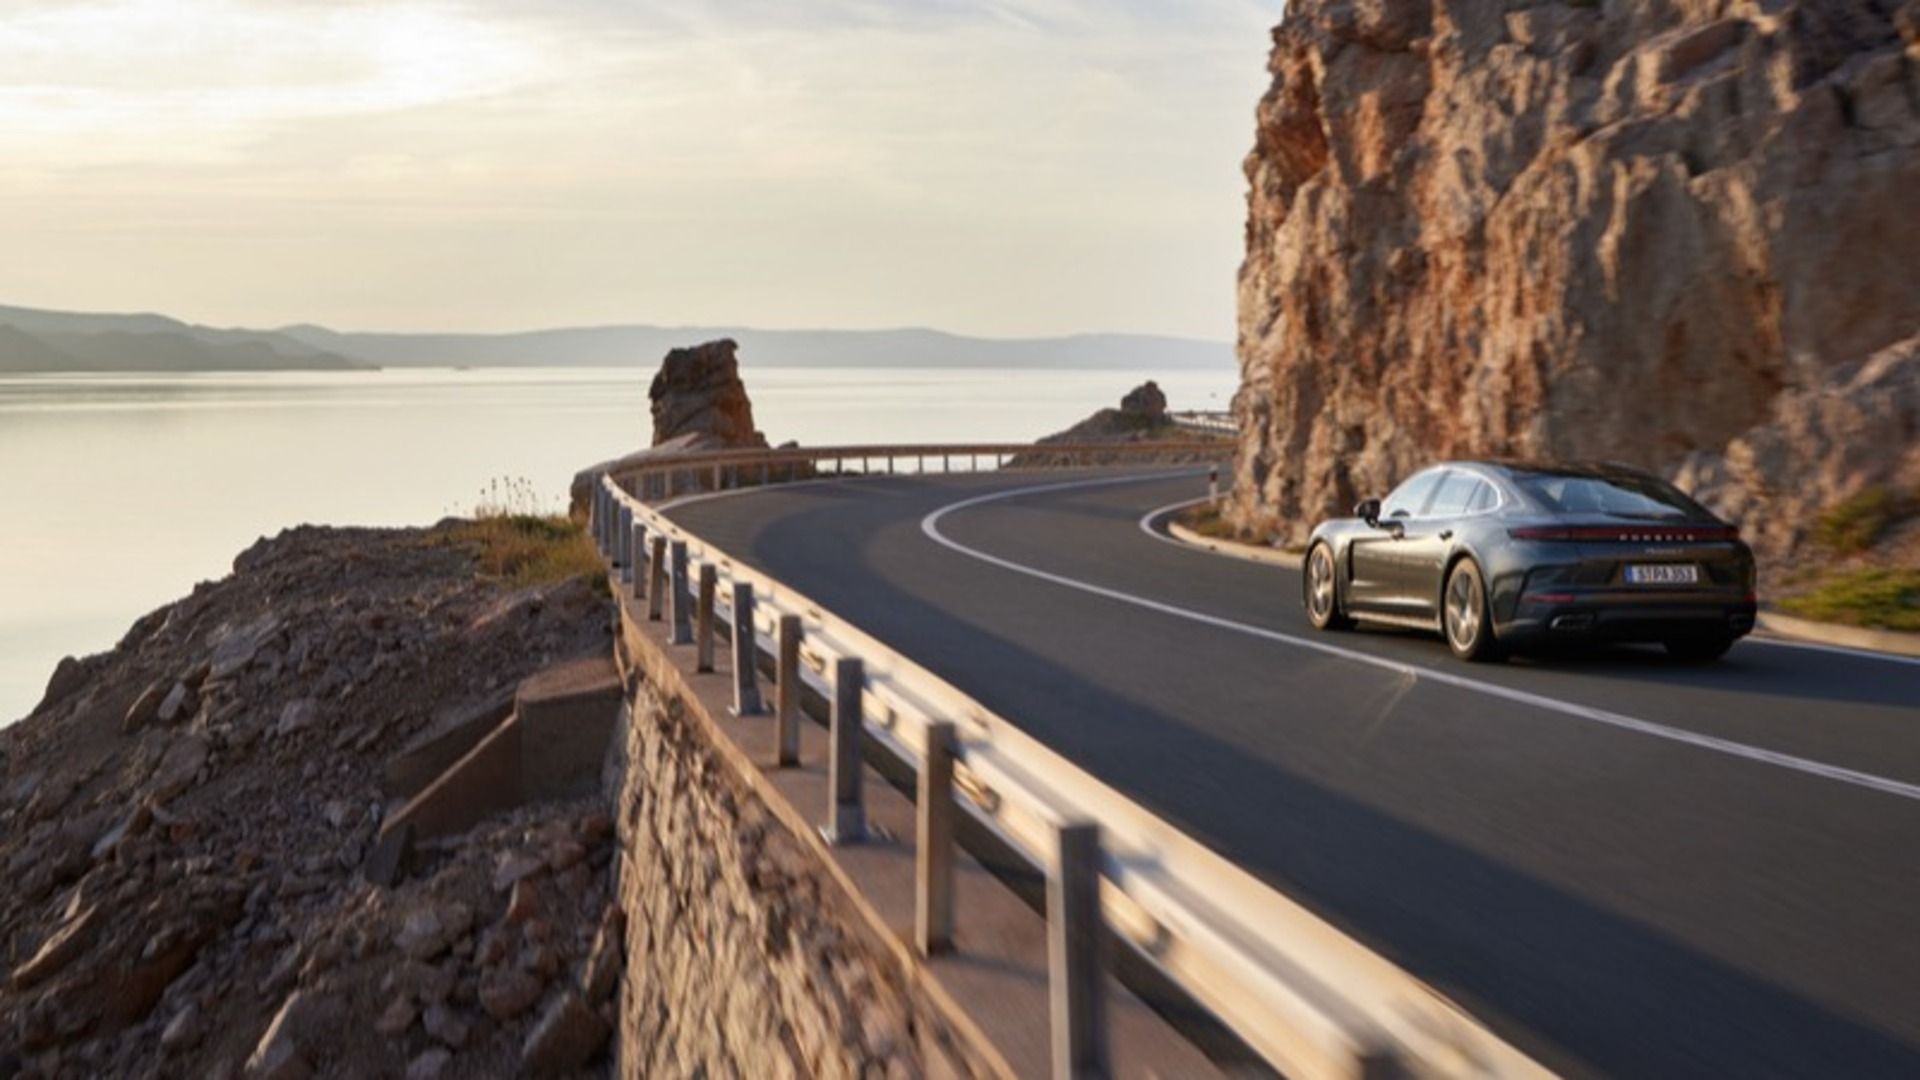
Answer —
1219 423
660 477
1309 1000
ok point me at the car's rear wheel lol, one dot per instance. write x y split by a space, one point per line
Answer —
1699 650
1321 591
1468 628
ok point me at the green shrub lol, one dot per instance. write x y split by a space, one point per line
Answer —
1888 599
1854 524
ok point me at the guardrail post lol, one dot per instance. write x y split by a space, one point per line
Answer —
599 515
746 680
614 539
1213 487
846 809
638 538
786 694
933 844
682 597
1076 987
623 522
656 577
709 577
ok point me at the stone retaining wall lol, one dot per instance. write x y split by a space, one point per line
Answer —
745 955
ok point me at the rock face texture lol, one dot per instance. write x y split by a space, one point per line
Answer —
1855 432
698 392
1676 233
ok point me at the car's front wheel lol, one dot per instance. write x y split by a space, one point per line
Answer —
1468 626
1321 592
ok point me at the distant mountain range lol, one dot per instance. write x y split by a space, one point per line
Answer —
53 341
56 341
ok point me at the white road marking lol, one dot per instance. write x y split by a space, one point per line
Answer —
930 525
1842 650
1151 516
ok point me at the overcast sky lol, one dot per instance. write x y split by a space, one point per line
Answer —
998 167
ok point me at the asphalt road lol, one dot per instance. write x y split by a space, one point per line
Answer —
1627 866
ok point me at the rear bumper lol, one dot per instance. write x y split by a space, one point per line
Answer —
1610 617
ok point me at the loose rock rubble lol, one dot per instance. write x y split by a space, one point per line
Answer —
184 823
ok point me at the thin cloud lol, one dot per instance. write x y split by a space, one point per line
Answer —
1008 167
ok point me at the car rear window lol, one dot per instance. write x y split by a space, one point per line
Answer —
1619 495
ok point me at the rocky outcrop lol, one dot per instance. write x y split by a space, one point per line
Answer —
1669 232
698 392
1145 402
1141 417
699 403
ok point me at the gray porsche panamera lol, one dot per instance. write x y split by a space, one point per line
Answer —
1497 556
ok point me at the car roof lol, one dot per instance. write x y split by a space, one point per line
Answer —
1599 470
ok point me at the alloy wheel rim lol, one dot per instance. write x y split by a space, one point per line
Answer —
1463 610
1320 582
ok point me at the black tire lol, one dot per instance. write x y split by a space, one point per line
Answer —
1464 614
1320 589
1699 650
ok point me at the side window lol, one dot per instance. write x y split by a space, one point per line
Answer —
1454 494
1410 498
1484 498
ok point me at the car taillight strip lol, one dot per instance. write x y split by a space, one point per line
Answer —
1623 534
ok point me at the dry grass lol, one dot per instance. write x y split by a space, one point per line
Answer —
524 549
519 544
1206 521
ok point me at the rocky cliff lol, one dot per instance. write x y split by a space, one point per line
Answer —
1677 233
188 824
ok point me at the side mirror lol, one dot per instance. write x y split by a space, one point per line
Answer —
1368 510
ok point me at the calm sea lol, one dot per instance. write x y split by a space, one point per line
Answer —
119 492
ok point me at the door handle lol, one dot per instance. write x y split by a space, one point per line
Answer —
1446 534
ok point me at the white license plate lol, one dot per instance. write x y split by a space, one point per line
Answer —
1664 574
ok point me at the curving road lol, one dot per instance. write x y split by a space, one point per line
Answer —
1627 866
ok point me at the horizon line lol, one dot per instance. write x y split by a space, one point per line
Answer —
671 327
